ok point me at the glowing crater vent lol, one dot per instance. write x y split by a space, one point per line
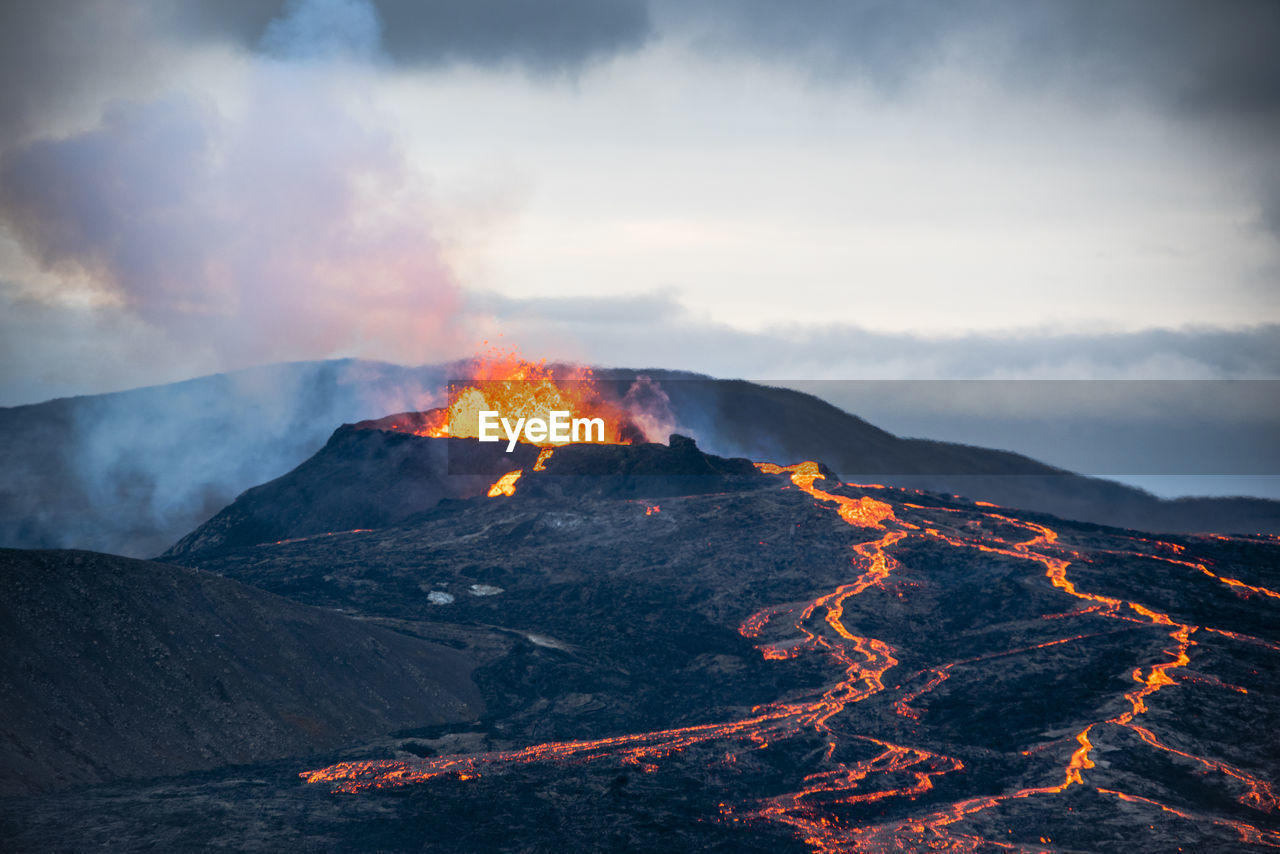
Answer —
521 390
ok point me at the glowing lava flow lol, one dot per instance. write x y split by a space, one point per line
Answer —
316 536
1236 584
930 831
818 808
505 485
862 661
864 512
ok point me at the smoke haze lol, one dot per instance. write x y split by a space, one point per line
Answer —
289 224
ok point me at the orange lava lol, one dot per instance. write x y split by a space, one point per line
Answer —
1239 586
505 485
317 536
518 388
816 806
865 512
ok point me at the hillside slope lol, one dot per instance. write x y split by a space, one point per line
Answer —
117 668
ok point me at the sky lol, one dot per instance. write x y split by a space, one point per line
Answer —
814 190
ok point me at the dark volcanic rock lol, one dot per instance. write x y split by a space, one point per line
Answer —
363 478
368 477
115 668
965 665
677 459
647 470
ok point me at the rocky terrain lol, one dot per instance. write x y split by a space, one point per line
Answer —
359 479
682 652
118 668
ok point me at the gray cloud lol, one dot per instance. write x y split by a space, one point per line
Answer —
628 310
1214 57
1215 67
56 53
542 35
125 202
54 351
52 53
546 35
653 331
1269 191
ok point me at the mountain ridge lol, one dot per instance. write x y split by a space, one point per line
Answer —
132 472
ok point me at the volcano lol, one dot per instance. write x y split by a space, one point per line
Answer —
677 651
132 472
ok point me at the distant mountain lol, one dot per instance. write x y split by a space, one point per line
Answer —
737 418
117 668
133 472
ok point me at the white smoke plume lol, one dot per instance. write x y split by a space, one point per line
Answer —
283 222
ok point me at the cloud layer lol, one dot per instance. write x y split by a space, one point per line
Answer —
654 330
198 186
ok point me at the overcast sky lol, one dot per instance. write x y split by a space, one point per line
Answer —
803 190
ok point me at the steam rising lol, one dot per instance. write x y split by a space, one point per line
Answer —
129 473
291 225
650 409
275 221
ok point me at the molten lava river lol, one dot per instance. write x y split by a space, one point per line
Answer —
830 808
